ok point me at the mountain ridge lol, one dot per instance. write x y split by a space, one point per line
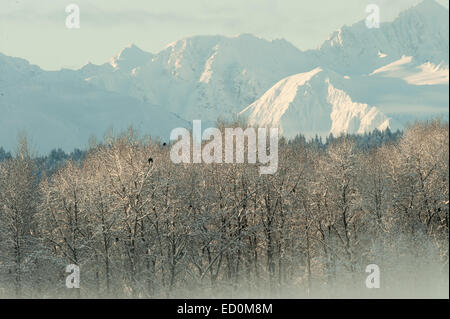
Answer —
363 80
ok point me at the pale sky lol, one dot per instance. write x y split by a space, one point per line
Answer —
35 30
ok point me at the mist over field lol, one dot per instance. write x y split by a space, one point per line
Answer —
140 226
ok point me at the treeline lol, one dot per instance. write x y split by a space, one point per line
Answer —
4 155
58 157
51 162
138 225
362 142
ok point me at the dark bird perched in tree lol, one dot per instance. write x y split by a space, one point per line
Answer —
164 144
150 160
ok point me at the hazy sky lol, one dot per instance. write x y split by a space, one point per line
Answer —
35 30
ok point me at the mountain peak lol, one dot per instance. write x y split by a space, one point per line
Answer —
131 51
429 4
429 8
130 57
420 31
247 36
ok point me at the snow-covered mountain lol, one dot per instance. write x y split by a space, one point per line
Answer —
421 32
367 79
322 101
406 69
357 80
57 109
312 102
205 76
